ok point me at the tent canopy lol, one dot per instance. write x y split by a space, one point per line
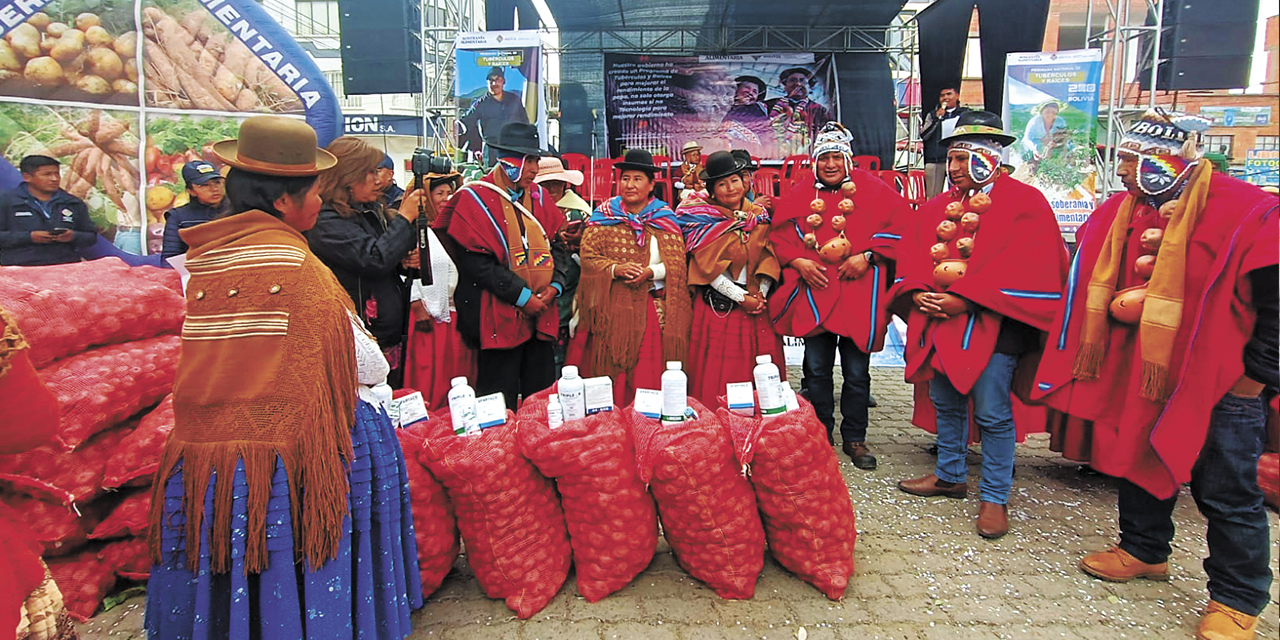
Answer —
588 15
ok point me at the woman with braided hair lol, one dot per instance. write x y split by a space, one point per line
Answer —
732 266
634 301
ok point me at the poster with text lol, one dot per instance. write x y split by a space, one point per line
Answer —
1051 106
769 104
498 81
122 93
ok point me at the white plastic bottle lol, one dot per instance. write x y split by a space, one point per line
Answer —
768 386
573 395
675 393
462 406
555 413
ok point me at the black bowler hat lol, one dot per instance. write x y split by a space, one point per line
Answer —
720 164
743 157
638 160
980 124
518 137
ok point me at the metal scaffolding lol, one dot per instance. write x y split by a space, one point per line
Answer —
1131 49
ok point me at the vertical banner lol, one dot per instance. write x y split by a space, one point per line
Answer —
498 80
769 104
124 92
1051 105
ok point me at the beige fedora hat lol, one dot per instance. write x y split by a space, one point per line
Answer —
275 146
550 168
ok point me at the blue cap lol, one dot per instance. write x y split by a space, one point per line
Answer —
386 163
198 172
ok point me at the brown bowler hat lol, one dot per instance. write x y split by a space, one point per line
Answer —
275 146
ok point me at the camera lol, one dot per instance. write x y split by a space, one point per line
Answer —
425 161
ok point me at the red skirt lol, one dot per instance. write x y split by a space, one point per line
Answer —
723 349
647 373
434 358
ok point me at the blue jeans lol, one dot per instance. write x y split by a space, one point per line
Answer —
819 383
1224 484
993 413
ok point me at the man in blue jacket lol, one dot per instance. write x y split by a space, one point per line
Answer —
206 189
40 224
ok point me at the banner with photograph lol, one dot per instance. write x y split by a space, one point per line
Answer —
1051 106
770 104
498 80
124 92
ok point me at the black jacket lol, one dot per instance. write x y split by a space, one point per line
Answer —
184 217
21 213
364 252
931 134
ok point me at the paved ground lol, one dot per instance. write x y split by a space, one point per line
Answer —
922 570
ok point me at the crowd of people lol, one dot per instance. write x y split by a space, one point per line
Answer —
1154 346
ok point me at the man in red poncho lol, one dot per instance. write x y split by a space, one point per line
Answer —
1162 345
832 237
508 280
981 266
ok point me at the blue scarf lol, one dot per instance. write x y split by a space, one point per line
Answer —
656 214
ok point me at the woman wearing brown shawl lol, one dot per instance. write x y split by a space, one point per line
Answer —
732 266
280 508
633 298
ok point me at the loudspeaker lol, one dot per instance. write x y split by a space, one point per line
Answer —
381 44
1205 44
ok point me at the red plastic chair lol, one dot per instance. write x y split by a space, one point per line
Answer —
664 162
768 181
602 183
867 163
895 180
917 193
577 162
792 164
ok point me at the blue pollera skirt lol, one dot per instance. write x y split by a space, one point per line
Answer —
366 592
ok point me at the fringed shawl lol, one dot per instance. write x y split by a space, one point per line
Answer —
720 241
267 371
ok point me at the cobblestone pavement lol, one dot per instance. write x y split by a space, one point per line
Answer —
922 571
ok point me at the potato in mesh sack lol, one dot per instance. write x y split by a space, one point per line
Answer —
84 580
50 473
129 558
434 527
67 308
707 507
808 516
137 458
613 524
128 518
508 513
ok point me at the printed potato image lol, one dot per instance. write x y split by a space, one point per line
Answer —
66 53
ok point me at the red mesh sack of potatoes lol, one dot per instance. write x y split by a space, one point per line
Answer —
128 518
59 528
101 387
129 558
67 308
84 580
508 513
53 474
434 525
613 524
804 501
137 457
707 507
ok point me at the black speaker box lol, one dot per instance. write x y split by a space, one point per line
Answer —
1204 44
381 46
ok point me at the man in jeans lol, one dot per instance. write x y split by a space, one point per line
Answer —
1171 393
981 267
835 299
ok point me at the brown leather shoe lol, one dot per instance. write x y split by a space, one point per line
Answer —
993 520
1221 622
930 486
1117 565
860 455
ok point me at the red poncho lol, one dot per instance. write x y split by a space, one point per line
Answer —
475 220
857 308
1156 444
1017 269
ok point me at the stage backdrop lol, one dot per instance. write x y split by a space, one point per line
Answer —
514 58
659 103
124 92
1051 105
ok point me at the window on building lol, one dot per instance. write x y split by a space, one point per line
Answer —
317 17
1217 144
1267 143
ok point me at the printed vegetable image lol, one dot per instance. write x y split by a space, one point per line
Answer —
68 53
192 62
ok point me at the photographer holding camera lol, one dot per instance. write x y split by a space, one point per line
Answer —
367 246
